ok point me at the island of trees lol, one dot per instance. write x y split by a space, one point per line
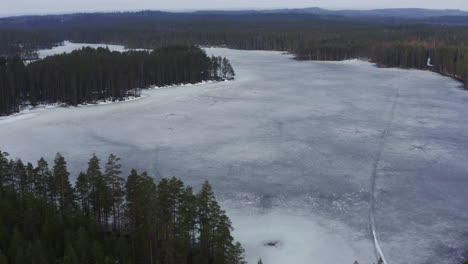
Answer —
90 75
105 218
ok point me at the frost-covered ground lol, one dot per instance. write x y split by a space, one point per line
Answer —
290 147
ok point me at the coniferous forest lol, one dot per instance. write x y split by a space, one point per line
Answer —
104 218
89 75
405 43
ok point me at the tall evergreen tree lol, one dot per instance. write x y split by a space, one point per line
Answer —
83 191
42 178
3 171
20 177
98 190
62 191
115 187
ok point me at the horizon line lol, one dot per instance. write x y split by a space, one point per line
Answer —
190 10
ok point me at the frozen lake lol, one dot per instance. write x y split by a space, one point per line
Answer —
293 149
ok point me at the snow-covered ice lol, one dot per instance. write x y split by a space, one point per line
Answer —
289 147
68 47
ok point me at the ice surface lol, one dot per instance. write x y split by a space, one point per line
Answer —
285 236
289 147
68 47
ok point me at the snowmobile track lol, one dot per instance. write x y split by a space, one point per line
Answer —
383 139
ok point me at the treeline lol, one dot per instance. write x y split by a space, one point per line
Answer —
25 43
308 36
107 219
444 59
89 75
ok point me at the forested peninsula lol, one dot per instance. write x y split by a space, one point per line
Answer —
90 75
105 218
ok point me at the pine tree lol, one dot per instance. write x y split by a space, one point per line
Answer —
10 177
208 210
42 178
62 191
227 70
188 214
169 208
98 190
30 176
115 186
3 171
215 229
141 192
20 177
132 188
83 190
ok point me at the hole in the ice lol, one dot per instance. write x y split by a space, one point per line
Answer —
266 201
273 243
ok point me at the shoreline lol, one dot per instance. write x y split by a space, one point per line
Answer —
33 110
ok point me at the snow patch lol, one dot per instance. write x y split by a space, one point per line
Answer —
69 47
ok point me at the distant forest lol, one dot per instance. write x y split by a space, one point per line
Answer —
90 75
106 219
389 42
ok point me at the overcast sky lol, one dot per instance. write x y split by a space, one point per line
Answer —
10 7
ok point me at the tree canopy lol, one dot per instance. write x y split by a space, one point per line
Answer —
90 75
106 218
406 43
